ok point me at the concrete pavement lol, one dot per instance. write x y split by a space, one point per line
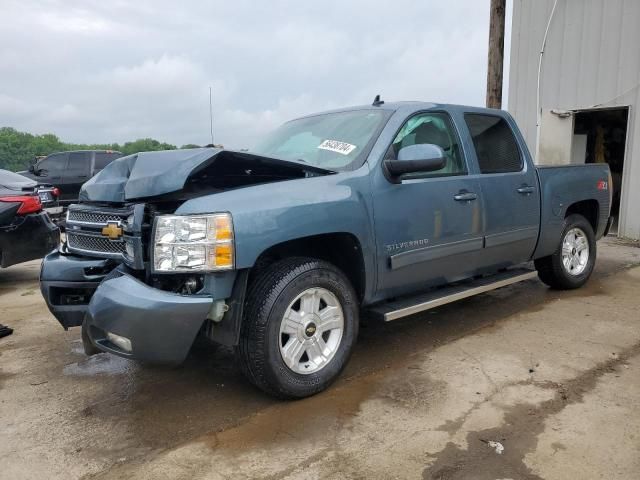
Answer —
554 377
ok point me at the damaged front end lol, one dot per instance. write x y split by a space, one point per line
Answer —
99 278
104 279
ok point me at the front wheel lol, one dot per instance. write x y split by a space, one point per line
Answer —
572 263
299 327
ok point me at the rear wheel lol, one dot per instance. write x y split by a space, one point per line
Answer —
299 327
572 263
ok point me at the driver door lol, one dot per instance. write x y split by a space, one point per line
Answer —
428 225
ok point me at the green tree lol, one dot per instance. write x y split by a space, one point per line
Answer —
19 149
145 145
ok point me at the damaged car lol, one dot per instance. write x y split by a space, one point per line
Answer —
26 231
392 207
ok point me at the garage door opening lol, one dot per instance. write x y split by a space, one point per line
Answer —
599 136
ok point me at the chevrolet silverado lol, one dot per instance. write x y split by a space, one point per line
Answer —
391 207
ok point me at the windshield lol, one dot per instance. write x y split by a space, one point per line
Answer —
333 140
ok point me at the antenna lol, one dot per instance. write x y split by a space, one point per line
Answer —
377 102
211 112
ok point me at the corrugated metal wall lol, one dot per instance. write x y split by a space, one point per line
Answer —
592 57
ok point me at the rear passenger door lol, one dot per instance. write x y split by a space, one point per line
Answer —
77 173
510 193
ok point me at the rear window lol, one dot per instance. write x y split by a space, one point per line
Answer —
105 158
495 144
7 178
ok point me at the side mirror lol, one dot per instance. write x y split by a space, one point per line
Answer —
32 168
418 158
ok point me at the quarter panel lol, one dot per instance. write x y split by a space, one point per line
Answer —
562 186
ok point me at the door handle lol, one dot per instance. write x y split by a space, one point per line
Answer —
465 196
525 189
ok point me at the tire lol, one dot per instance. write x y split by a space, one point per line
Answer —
558 270
292 288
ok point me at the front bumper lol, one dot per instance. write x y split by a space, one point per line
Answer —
67 283
160 325
29 237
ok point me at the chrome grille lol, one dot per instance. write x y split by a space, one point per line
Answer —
89 227
81 216
89 243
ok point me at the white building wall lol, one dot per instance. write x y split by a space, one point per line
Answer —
592 58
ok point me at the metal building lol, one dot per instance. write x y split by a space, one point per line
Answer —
579 103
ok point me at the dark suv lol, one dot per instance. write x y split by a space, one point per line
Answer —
69 170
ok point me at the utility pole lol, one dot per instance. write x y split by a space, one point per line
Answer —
496 53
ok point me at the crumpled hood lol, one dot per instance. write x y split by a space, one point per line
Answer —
149 174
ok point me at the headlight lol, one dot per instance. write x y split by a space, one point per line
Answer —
193 243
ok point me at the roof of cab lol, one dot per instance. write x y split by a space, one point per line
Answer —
408 106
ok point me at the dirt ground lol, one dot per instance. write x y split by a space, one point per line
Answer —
553 376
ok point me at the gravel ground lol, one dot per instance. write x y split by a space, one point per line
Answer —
554 377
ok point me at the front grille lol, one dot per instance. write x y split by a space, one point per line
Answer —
81 216
89 227
87 243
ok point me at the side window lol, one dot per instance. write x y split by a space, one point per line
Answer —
104 158
434 128
53 164
496 147
79 161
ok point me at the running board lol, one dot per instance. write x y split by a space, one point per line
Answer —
436 298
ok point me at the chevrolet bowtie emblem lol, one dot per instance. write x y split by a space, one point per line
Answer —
113 230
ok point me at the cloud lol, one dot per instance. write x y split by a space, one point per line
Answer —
12 107
78 22
164 76
95 71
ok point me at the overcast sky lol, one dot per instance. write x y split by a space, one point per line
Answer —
100 71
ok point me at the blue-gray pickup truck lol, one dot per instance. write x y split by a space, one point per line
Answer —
394 208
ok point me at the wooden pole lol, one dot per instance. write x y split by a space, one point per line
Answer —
496 54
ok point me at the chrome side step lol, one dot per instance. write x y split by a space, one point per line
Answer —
436 298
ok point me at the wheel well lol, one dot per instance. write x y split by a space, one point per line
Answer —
340 249
589 209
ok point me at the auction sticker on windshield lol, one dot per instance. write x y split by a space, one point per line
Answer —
336 146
